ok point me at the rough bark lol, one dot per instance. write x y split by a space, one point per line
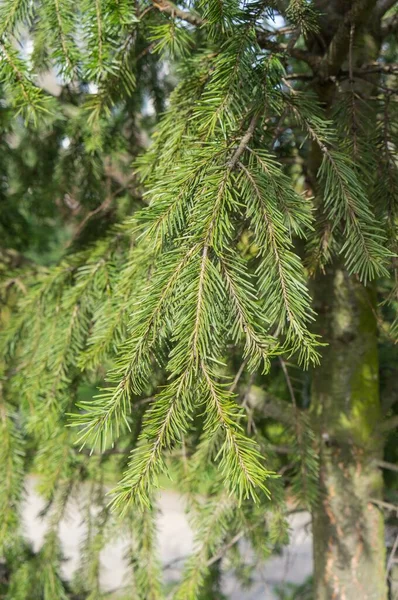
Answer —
349 553
349 545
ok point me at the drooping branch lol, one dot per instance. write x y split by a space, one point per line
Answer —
262 37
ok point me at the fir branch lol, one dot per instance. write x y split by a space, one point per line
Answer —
12 472
212 525
345 199
276 269
145 565
164 423
13 12
259 345
112 406
26 97
240 462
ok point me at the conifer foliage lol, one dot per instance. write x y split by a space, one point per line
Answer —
197 285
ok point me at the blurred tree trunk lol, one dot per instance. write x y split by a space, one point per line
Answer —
348 528
349 549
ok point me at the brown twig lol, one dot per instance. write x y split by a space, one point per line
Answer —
304 55
385 505
173 11
386 465
243 142
101 208
238 376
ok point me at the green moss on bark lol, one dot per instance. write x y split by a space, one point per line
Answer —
348 529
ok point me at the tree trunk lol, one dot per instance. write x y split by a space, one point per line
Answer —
349 549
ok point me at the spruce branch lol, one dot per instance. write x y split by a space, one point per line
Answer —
262 38
305 460
25 96
212 526
303 14
258 344
13 12
12 471
203 279
240 458
63 12
142 554
279 269
111 408
166 420
345 200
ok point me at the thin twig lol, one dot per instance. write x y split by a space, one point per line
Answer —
311 59
288 382
299 76
173 11
238 376
225 549
243 143
377 68
386 505
386 465
101 208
